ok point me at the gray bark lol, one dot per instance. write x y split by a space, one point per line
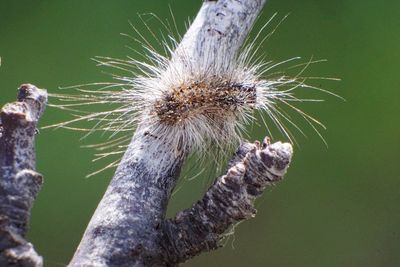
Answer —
228 201
125 228
19 182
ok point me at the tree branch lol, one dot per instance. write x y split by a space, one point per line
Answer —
228 201
124 229
19 183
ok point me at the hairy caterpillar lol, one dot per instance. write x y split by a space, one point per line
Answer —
188 104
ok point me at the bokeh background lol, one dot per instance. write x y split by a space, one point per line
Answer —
338 206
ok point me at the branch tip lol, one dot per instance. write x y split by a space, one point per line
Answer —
228 201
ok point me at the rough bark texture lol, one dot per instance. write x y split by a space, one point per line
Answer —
19 182
227 202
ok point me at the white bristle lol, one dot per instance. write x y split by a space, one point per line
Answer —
194 105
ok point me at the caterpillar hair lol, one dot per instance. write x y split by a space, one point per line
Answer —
192 105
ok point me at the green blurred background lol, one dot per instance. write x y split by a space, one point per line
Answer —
338 206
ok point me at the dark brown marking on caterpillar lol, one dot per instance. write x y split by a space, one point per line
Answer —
205 98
